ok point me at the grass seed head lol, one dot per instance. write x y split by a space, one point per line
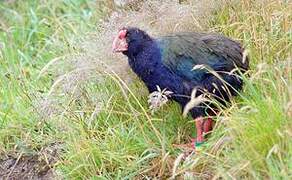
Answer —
158 98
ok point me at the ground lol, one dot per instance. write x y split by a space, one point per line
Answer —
36 166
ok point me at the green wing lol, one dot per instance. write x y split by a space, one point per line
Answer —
182 52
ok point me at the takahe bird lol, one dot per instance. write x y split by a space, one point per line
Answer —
169 61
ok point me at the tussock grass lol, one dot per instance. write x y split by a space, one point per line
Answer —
31 34
61 83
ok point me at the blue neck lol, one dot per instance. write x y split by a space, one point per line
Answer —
147 64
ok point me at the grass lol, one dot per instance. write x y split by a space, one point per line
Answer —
31 35
105 125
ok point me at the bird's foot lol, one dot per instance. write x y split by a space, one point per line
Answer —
185 147
198 146
193 146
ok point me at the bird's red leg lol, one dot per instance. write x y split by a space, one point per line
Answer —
199 139
202 126
200 129
208 125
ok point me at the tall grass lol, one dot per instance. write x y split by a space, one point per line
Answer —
31 34
59 84
259 122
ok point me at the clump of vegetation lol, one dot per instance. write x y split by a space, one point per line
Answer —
62 85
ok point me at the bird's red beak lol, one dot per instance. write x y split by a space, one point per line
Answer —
120 43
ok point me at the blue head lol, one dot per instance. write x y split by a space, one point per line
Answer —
130 41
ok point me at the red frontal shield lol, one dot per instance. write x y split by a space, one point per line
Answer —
120 43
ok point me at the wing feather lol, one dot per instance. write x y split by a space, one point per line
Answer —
181 52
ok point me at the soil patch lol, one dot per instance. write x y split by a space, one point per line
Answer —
36 166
